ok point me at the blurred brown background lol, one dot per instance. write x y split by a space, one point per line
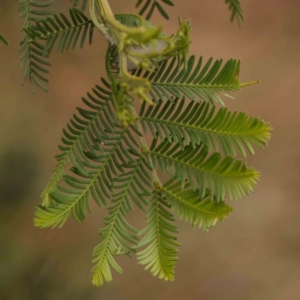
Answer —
254 254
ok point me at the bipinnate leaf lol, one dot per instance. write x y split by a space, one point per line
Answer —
105 156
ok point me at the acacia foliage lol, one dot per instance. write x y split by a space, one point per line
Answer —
194 141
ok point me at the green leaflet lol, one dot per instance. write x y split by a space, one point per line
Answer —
151 6
160 254
236 10
203 212
66 32
35 64
205 81
226 177
200 123
82 6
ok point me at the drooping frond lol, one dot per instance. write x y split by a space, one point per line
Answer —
68 33
98 149
198 122
204 81
151 5
236 10
225 177
105 156
92 175
203 212
33 60
85 183
160 254
82 6
72 150
118 233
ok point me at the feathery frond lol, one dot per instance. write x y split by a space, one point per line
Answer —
204 82
236 10
160 254
198 122
96 182
151 5
76 138
83 4
105 156
66 32
118 233
103 163
96 146
33 60
226 177
203 212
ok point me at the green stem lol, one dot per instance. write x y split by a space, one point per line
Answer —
101 27
105 9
